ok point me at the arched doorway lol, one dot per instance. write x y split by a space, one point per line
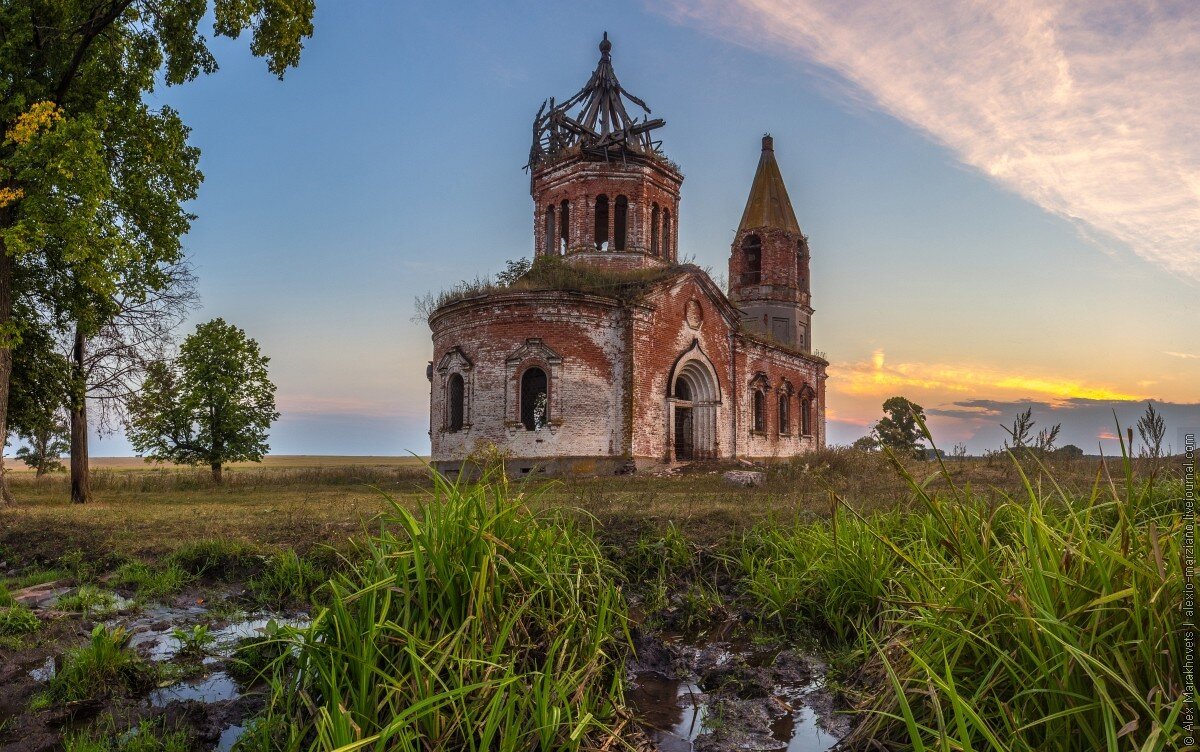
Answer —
693 406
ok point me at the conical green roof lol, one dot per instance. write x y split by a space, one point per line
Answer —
768 204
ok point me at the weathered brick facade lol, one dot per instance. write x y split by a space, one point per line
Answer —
592 381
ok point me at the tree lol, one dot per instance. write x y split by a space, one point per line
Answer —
134 329
1070 451
1153 429
40 383
213 405
866 443
92 179
514 271
900 429
45 446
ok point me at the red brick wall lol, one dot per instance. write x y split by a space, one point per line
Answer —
579 181
585 391
660 337
753 358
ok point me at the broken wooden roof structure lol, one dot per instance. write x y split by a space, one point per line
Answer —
594 120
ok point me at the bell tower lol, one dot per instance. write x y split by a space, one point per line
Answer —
768 262
603 192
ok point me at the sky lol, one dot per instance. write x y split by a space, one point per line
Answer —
1002 199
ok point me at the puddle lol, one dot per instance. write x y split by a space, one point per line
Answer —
717 693
44 672
672 710
153 638
215 687
229 737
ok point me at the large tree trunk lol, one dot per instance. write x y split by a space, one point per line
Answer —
81 483
216 471
6 355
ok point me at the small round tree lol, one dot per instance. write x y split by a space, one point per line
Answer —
900 428
213 405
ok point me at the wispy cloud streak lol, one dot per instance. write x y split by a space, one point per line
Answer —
1088 109
878 378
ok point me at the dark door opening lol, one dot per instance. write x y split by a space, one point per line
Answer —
685 448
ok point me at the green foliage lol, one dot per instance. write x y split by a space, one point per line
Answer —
93 179
216 558
148 736
548 273
1043 622
254 656
106 666
868 443
214 405
475 623
6 598
88 600
899 428
194 642
287 579
78 565
17 620
513 271
1070 451
35 577
151 582
38 395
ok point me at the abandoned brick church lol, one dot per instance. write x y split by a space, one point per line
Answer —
610 355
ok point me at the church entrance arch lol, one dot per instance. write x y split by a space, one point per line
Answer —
692 407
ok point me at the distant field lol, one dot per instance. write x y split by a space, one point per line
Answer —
270 461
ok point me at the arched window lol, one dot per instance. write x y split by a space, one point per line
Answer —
785 418
654 229
549 245
535 407
751 260
564 226
601 230
457 397
801 261
806 416
620 220
666 241
760 411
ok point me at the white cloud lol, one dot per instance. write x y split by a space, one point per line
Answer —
1185 356
1089 109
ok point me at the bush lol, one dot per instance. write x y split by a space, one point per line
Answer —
17 620
287 579
490 627
152 582
106 666
88 600
216 559
1039 623
253 657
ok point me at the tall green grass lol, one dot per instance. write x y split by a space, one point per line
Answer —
471 625
1045 621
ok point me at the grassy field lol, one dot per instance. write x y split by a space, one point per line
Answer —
998 603
298 502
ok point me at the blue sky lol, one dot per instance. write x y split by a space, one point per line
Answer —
952 262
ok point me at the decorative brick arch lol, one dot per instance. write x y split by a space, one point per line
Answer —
533 353
693 399
808 410
456 362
